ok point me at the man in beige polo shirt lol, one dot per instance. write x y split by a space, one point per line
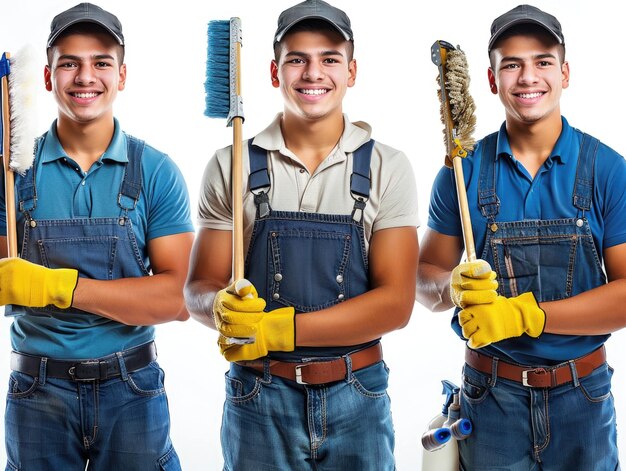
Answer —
326 210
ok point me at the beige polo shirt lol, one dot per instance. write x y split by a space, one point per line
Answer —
393 194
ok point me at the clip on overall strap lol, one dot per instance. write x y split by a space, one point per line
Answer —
583 186
360 179
259 179
488 200
25 188
132 182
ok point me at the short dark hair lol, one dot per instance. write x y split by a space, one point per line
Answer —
528 29
88 29
313 25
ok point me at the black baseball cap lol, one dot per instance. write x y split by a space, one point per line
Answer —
525 14
85 13
314 9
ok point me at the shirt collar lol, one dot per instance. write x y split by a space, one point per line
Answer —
354 135
560 152
116 151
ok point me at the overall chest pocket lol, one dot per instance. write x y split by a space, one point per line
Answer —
543 265
309 270
94 257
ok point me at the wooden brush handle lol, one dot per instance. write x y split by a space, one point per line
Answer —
9 182
237 178
237 196
466 222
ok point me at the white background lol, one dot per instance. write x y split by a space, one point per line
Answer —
395 92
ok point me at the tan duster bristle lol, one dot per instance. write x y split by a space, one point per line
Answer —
462 105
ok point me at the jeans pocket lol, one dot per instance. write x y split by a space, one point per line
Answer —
170 461
372 381
241 385
596 387
147 381
475 385
21 385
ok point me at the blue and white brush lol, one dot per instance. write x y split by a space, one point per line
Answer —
17 126
223 100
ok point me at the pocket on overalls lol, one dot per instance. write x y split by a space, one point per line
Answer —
308 268
94 257
543 266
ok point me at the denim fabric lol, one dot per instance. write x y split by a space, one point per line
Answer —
270 423
516 428
121 424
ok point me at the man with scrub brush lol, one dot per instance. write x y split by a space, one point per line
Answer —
325 212
105 233
548 211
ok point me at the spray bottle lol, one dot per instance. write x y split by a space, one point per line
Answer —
439 441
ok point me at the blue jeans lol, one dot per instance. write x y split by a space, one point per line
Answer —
120 424
517 428
270 423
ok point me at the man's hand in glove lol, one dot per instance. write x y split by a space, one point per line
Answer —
473 283
483 324
246 332
28 284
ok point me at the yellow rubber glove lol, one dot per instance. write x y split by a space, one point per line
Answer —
237 309
28 284
483 324
275 331
473 283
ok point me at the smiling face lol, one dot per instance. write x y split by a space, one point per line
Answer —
313 71
85 74
528 74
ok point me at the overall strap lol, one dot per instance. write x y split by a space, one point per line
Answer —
25 189
583 186
360 179
259 180
132 182
488 200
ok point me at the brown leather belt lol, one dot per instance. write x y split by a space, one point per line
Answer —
319 372
543 377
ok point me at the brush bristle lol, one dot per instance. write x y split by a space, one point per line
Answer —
217 85
23 79
462 105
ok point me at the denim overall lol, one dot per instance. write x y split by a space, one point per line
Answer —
570 426
311 262
107 413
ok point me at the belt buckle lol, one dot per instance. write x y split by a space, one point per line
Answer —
298 370
88 364
538 371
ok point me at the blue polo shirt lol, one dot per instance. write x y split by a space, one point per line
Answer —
64 191
546 196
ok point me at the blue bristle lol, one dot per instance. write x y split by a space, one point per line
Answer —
217 85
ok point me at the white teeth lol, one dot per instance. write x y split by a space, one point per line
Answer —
530 95
315 91
85 95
